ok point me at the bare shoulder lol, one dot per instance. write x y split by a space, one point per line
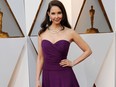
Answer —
42 35
70 31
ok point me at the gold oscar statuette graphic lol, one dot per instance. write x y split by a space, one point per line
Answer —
92 29
2 34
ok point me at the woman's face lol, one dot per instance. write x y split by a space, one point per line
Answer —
55 14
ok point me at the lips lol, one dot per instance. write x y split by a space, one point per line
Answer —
57 20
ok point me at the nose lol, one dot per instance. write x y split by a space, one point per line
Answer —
56 16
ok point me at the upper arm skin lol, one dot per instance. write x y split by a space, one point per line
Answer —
39 60
40 54
80 42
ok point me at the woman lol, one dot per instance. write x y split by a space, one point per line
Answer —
54 41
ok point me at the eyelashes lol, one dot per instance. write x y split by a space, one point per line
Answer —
53 13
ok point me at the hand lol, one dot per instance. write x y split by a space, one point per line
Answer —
38 84
66 62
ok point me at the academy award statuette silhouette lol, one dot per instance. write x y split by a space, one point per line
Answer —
92 29
2 34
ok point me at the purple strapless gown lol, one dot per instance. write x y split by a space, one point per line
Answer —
53 74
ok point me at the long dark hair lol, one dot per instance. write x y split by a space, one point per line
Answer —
46 23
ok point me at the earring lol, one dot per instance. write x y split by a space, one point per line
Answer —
50 19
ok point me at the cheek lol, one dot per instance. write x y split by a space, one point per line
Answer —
60 16
51 17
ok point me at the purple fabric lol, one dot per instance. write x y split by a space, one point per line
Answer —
53 74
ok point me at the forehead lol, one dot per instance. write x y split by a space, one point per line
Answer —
55 9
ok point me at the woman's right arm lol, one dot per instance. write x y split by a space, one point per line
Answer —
39 64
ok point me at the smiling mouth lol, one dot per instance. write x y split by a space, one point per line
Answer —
57 20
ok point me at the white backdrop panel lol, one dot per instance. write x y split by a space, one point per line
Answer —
18 9
20 77
106 77
115 16
35 42
110 10
75 7
31 7
10 50
32 59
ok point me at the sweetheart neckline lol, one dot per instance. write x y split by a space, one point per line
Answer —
56 41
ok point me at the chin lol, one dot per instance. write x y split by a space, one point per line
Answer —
57 22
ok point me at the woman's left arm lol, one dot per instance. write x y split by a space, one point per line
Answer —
82 45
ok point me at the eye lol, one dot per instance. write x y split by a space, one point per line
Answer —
52 13
59 12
